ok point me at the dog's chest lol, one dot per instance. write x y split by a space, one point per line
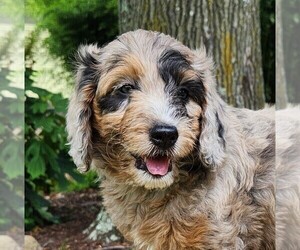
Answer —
158 219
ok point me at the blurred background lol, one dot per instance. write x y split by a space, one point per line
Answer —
39 39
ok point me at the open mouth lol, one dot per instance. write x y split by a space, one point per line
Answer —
157 166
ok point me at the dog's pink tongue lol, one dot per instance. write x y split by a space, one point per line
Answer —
158 165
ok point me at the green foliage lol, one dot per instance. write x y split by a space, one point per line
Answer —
267 19
48 167
11 154
90 181
72 23
12 11
11 131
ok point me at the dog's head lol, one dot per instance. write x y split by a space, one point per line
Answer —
143 105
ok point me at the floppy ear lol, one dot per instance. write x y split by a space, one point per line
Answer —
212 142
80 107
212 139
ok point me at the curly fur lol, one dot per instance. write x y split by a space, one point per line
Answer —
288 178
219 193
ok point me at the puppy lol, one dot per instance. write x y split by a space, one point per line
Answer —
181 169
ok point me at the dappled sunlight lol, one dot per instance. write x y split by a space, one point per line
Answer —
11 127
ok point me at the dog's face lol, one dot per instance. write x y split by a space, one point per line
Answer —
139 108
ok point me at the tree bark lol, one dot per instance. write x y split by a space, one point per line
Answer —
281 91
229 29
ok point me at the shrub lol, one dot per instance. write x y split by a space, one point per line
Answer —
11 153
48 167
72 23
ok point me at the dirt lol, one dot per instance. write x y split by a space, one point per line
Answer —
76 211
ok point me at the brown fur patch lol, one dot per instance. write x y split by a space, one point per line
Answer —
129 67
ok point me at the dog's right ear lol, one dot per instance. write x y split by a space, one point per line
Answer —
80 107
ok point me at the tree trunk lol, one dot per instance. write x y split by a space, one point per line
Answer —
281 92
229 29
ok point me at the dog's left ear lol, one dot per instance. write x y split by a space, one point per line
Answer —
80 107
212 143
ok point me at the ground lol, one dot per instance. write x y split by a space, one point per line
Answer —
76 211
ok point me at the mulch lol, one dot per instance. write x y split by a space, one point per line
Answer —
76 210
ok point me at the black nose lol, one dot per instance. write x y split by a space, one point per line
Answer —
163 136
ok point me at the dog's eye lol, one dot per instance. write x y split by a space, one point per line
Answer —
125 89
183 94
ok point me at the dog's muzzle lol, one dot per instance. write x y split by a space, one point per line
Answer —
163 136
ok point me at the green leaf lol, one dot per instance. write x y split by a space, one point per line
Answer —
54 165
48 151
33 149
14 167
42 93
39 107
60 104
47 123
11 159
36 167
